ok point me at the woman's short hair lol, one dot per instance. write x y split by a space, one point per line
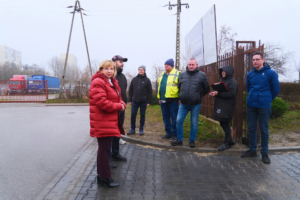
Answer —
108 63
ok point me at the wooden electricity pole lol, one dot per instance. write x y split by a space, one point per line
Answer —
179 4
76 9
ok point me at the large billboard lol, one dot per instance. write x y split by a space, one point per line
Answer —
201 41
193 41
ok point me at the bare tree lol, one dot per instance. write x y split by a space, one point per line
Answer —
95 66
33 70
129 78
276 57
85 74
226 40
7 71
157 71
55 66
297 67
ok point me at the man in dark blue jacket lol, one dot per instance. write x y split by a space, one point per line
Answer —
262 87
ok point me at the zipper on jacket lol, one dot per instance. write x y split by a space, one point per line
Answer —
139 87
189 89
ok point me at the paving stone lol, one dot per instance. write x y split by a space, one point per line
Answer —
169 175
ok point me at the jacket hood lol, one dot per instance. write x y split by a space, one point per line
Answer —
265 67
196 70
228 69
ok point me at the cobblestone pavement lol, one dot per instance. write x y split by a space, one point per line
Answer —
161 174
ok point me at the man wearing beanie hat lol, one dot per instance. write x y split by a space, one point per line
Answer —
140 96
168 95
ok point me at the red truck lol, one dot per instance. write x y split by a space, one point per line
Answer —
18 84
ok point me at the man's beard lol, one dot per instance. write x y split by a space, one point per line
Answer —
119 70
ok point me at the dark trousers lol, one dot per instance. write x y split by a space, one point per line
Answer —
227 130
134 109
170 110
115 140
103 168
263 116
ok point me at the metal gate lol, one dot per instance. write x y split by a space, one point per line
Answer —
23 91
241 60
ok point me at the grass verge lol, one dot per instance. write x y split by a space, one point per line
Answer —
289 122
207 131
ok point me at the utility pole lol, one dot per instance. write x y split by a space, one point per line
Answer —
76 9
179 4
87 50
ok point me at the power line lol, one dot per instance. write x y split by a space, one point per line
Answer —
90 15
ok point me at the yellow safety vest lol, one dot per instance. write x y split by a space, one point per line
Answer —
172 90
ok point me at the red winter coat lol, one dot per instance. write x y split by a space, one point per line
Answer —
105 104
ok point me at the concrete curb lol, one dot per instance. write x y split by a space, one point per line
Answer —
205 150
68 184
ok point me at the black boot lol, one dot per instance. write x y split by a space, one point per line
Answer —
223 147
231 143
112 164
265 158
107 181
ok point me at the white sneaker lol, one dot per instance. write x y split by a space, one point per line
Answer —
122 141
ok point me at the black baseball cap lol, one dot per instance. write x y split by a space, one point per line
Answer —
118 57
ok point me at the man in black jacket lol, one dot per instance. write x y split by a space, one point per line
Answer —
122 81
193 85
140 95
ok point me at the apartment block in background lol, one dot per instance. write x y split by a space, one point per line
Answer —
10 56
72 60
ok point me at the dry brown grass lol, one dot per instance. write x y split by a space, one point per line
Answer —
284 131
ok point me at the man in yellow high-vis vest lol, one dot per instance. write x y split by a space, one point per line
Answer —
168 95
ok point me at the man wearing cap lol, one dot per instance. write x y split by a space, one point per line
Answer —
140 96
122 81
168 95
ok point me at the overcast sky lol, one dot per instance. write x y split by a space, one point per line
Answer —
143 31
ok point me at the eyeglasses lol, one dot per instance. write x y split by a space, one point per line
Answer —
256 59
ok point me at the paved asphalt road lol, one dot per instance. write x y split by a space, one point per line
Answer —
36 143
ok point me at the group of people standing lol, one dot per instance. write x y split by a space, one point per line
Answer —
178 93
181 93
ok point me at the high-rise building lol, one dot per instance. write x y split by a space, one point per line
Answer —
10 56
72 60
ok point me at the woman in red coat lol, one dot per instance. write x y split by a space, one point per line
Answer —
105 104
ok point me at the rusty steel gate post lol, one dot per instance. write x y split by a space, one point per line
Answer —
46 90
239 77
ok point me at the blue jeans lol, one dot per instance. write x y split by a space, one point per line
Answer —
134 110
263 116
183 111
170 110
115 140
